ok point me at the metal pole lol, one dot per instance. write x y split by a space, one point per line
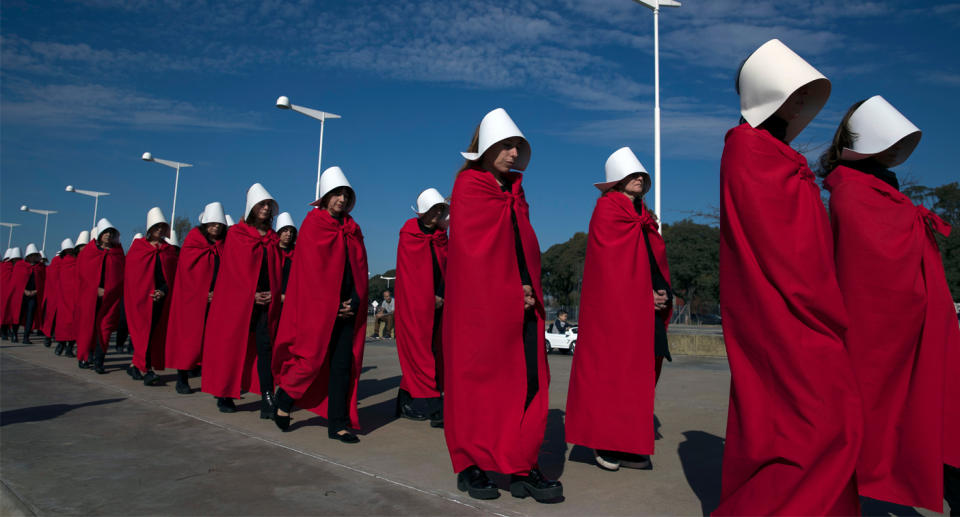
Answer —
323 119
173 212
96 201
43 246
656 114
10 238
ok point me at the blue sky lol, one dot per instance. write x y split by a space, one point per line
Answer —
89 85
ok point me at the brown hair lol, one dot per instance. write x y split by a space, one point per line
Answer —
204 230
472 148
326 199
252 219
842 138
638 203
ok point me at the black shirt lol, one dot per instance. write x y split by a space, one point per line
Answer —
521 260
438 286
348 289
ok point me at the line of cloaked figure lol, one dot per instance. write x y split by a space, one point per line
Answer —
841 335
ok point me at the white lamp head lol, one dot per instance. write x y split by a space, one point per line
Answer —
23 208
770 76
495 127
283 102
621 164
70 188
877 127
147 157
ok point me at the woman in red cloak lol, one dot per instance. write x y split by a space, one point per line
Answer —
496 378
287 235
620 350
245 309
51 295
320 344
421 262
66 285
70 284
6 273
192 291
148 278
903 336
27 283
100 275
794 426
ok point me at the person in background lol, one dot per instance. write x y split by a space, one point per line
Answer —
287 232
7 295
384 315
560 325
100 272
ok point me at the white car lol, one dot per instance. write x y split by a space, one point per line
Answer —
565 342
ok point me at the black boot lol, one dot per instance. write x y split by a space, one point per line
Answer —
535 485
951 488
47 341
435 408
69 352
404 409
134 373
475 482
151 379
283 402
268 404
98 361
183 384
226 405
59 350
13 336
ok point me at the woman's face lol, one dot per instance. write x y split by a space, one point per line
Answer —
286 236
433 216
107 238
337 201
215 230
501 156
793 105
157 232
263 211
635 185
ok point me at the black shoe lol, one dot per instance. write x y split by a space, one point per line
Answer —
535 485
283 422
69 351
13 338
635 461
226 405
606 460
134 373
59 350
436 419
475 482
97 366
151 379
346 437
405 410
47 342
267 405
194 373
83 364
183 387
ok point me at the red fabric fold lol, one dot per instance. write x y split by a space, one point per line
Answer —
188 304
415 308
6 288
229 350
795 423
18 283
66 329
485 380
138 287
613 379
902 330
97 317
51 297
310 310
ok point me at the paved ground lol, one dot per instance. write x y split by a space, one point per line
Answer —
76 443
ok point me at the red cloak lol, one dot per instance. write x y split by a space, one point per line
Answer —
98 317
612 379
485 379
51 295
229 348
18 283
902 324
313 299
795 423
138 288
66 329
416 308
188 302
6 273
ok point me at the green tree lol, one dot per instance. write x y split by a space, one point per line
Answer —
378 285
693 253
945 201
562 270
181 226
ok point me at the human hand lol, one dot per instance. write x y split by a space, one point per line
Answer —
437 302
660 299
346 310
210 297
262 298
99 292
528 299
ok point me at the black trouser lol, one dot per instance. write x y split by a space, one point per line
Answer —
123 332
260 325
340 352
154 318
951 488
28 309
530 349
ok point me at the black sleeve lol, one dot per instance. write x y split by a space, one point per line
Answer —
521 260
656 277
216 269
438 286
103 271
31 284
287 265
159 283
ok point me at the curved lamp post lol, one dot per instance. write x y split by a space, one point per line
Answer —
10 238
46 217
92 193
147 157
283 102
655 5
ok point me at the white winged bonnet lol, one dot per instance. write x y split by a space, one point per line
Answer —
255 194
83 239
428 199
213 213
31 250
621 164
334 178
497 126
14 253
155 217
104 225
66 244
284 220
876 127
229 219
770 76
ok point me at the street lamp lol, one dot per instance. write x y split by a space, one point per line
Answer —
147 157
10 225
655 5
46 217
283 102
92 193
388 279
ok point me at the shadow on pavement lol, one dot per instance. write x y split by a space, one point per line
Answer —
553 452
370 387
701 456
40 413
873 507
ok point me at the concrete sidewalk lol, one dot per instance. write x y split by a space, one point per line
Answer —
74 442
